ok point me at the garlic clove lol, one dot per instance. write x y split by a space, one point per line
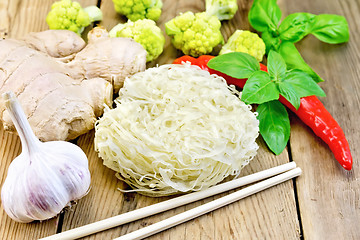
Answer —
45 177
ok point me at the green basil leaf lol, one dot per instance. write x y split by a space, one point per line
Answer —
274 125
303 84
330 28
272 42
235 64
296 26
264 15
276 66
294 60
259 89
289 93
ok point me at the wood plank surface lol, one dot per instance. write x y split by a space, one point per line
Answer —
328 195
227 223
323 203
18 18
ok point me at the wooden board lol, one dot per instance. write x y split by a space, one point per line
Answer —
328 195
324 203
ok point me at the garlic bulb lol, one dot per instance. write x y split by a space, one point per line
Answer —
45 177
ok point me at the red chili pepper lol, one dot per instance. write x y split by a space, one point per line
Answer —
314 114
311 111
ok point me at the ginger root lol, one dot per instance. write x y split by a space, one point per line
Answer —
63 84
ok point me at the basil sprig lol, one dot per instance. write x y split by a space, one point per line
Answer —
274 125
265 15
233 61
265 88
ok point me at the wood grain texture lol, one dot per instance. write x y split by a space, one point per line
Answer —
252 217
327 197
17 18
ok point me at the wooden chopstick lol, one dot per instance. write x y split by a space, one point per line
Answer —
213 205
169 204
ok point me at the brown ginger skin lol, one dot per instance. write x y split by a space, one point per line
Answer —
119 59
61 95
62 45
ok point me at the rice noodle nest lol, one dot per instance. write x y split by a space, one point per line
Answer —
176 129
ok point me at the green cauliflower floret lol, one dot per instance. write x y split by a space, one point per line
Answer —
223 9
139 9
194 34
145 32
246 42
69 15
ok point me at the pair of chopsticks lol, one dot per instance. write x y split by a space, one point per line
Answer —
273 177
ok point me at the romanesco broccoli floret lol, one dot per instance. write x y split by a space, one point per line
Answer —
223 9
139 9
69 15
145 32
246 42
194 34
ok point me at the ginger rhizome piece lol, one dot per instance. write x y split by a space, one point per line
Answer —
62 83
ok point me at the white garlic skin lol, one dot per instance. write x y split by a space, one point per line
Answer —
45 177
39 187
